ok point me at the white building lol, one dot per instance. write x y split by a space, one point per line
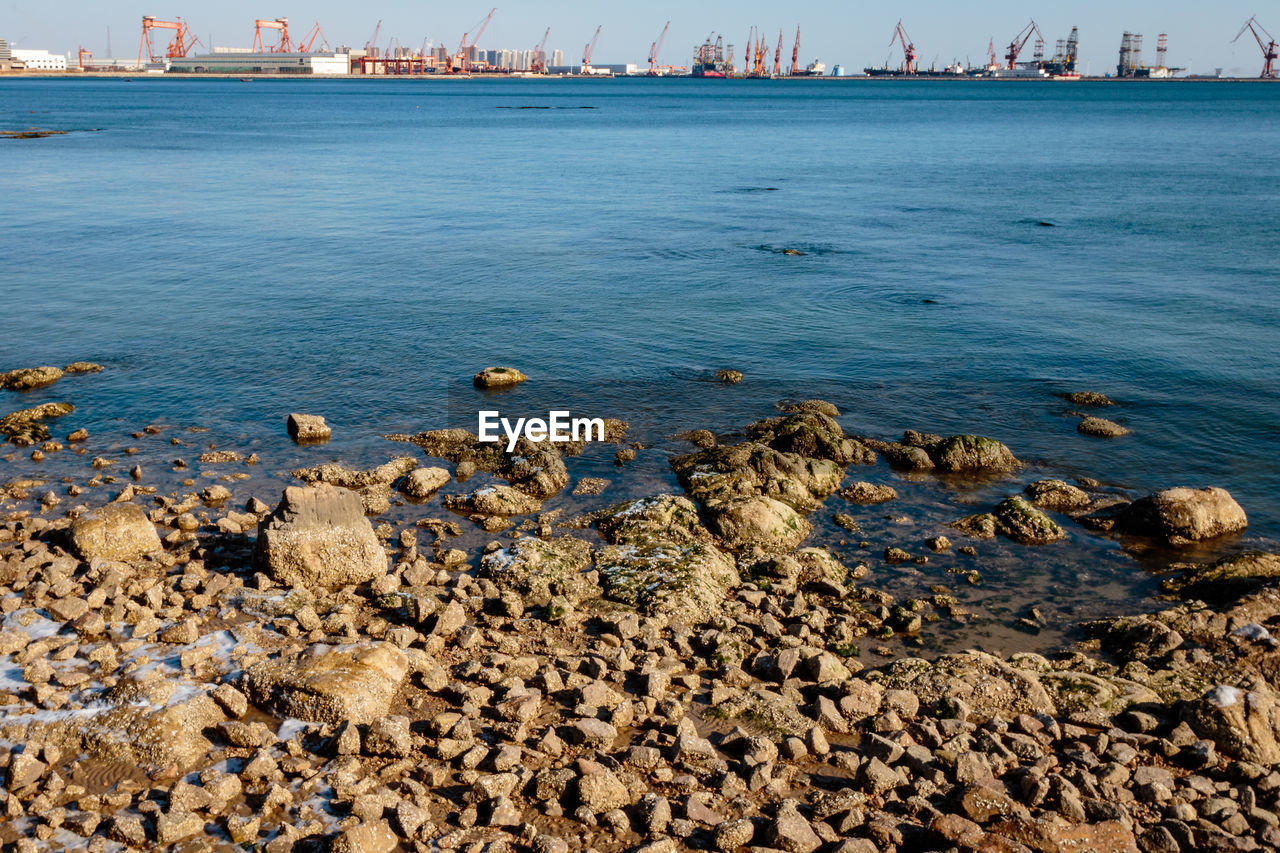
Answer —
233 61
40 60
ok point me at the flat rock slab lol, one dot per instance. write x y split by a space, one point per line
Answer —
117 531
329 684
308 429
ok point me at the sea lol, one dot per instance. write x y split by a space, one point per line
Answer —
947 256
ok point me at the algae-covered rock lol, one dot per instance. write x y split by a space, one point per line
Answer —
1082 691
813 435
673 518
328 684
973 454
539 569
685 582
720 473
1056 495
1226 579
1022 522
1181 516
83 367
27 378
868 493
24 427
980 526
1100 428
762 522
1086 398
900 456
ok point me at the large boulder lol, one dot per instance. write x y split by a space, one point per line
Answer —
720 473
539 569
329 684
307 429
811 434
1181 516
319 537
973 454
988 685
117 531
672 518
684 582
1243 724
1022 522
747 522
26 378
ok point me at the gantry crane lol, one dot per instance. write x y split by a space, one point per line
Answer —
589 49
1268 47
458 62
795 54
655 49
1020 41
281 25
183 38
908 48
84 54
539 63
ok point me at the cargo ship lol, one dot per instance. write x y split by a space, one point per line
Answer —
813 69
708 59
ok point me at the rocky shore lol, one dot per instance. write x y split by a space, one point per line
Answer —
209 669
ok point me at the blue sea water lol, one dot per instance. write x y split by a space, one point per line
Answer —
235 251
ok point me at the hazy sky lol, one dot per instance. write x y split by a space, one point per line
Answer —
852 34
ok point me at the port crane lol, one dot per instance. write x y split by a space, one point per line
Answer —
458 62
777 57
1020 41
1268 47
84 54
795 54
183 38
655 49
589 49
280 25
908 48
371 46
539 63
307 41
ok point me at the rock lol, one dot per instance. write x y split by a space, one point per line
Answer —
902 456
812 435
1226 579
732 834
1082 691
973 454
339 475
688 583
820 406
25 379
1056 496
498 377
981 526
83 367
329 684
988 685
1055 835
1244 724
1100 428
376 837
729 377
307 429
746 522
538 569
790 831
1086 398
319 537
868 493
422 483
720 473
117 531
389 737
1181 516
175 826
601 791
24 427
215 494
493 501
1022 522
669 518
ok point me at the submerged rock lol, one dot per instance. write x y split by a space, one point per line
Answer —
729 377
540 569
24 427
326 684
422 483
1022 522
319 537
973 454
1181 516
502 501
1100 428
27 378
498 377
117 531
83 367
757 521
904 457
868 493
1226 579
684 582
1056 495
308 429
1086 398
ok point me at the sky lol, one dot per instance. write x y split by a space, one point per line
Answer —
853 34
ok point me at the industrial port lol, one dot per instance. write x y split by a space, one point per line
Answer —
172 47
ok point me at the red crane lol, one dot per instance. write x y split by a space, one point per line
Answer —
281 25
908 49
183 38
371 46
795 54
84 54
307 41
539 63
655 48
590 49
1019 42
1268 47
458 62
777 57
993 62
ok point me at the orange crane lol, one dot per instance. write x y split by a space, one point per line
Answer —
304 46
590 49
539 63
85 54
1268 47
795 54
458 62
1019 42
777 57
371 46
908 49
281 25
183 38
655 49
993 62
